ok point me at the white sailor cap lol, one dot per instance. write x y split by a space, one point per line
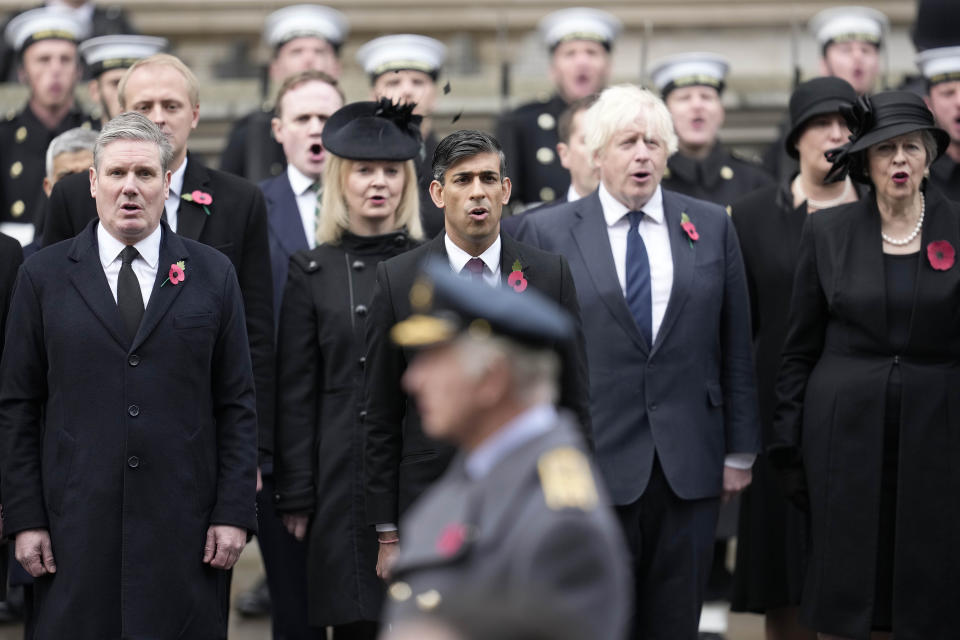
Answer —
44 23
843 24
940 65
305 20
402 51
579 23
688 69
118 51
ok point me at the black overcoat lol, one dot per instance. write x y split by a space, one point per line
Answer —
837 359
127 453
318 461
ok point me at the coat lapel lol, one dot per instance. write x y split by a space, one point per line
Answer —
862 268
91 282
934 286
684 257
510 252
592 239
283 215
191 216
172 250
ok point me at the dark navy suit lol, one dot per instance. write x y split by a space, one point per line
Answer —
665 416
284 232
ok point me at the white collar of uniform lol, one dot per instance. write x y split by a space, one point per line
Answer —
176 180
299 182
525 427
110 247
459 258
614 210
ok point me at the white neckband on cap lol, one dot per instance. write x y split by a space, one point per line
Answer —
305 20
402 51
849 23
44 22
117 47
689 69
579 23
940 64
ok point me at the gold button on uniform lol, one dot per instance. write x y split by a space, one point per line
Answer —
400 591
21 134
726 173
546 121
17 209
85 125
428 600
16 169
666 172
547 194
545 155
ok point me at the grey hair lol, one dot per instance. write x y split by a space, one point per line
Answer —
133 126
535 373
70 141
930 146
463 144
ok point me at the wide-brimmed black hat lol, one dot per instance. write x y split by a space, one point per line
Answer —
874 119
813 98
373 131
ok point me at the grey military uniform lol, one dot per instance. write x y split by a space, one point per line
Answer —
23 150
536 524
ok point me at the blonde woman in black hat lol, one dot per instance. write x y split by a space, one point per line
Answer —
866 427
370 213
772 532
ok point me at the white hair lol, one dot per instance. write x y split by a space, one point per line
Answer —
621 106
70 141
535 372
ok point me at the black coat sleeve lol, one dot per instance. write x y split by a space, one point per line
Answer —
233 159
385 406
575 377
11 257
299 381
59 224
256 283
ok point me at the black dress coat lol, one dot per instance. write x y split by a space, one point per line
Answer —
721 177
837 359
400 460
251 151
319 455
237 226
431 216
128 451
11 256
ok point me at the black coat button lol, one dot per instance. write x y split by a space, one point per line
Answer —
400 238
133 360
363 415
133 462
360 310
653 407
358 265
363 361
133 410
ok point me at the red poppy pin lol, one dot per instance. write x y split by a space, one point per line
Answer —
451 539
516 279
688 226
940 253
177 273
202 198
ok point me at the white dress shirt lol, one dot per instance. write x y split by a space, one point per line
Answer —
656 239
491 260
572 195
144 266
306 202
172 204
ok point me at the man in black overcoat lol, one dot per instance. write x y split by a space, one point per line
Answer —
127 413
206 205
471 185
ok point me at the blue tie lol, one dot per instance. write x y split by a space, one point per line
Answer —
638 279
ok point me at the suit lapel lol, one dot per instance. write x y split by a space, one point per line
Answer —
191 216
510 252
684 257
172 250
91 282
593 240
283 215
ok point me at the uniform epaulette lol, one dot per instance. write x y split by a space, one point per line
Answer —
566 480
746 156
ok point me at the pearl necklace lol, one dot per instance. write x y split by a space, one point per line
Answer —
822 204
913 234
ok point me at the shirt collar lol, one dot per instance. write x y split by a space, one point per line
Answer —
176 180
528 425
298 181
110 247
614 210
458 257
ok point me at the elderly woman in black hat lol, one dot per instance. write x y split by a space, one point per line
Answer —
370 213
867 427
772 532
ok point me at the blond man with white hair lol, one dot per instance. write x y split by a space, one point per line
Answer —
663 297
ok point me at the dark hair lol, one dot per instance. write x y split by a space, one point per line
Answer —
465 143
565 122
303 77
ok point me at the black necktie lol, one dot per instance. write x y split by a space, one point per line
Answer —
129 297
638 278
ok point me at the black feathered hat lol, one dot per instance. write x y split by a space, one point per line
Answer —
373 131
